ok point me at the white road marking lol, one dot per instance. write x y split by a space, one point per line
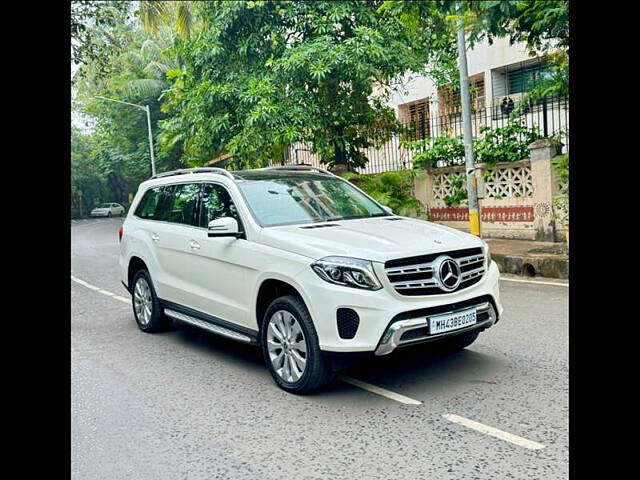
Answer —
379 391
100 290
494 432
534 282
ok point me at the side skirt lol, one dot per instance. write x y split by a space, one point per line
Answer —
209 322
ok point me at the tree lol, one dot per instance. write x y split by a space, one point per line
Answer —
177 14
262 75
97 32
120 136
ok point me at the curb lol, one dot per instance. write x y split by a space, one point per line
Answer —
548 267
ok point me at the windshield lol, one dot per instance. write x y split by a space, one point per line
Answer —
306 198
104 205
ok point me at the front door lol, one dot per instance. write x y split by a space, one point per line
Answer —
220 266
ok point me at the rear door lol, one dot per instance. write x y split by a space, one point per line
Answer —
172 238
151 215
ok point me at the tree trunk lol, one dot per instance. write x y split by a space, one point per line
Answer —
340 156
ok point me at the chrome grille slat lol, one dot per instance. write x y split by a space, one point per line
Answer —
472 273
403 277
427 282
470 259
419 268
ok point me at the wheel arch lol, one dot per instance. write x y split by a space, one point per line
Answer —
270 289
135 264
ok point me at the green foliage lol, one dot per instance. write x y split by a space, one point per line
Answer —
448 150
97 31
87 182
119 134
154 14
459 195
393 189
503 144
261 75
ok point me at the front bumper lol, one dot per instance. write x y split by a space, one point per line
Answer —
395 337
379 310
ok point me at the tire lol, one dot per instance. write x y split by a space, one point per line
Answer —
316 371
153 320
458 342
109 215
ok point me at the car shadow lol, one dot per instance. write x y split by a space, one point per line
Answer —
420 370
426 371
224 349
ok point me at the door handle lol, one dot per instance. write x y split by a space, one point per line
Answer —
155 237
194 245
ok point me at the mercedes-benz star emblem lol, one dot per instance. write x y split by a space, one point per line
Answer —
449 274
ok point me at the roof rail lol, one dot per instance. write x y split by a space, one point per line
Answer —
183 171
300 167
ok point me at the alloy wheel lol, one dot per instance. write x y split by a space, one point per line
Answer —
287 346
142 301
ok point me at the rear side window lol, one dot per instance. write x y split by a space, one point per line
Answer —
147 206
156 204
185 200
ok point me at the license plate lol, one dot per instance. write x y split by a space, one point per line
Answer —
452 321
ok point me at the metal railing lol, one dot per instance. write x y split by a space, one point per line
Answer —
549 117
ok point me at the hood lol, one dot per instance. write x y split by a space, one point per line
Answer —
378 239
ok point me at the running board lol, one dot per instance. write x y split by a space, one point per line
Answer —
210 327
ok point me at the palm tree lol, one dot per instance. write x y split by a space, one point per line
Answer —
150 64
179 13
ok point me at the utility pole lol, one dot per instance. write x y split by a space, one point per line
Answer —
472 182
146 109
153 158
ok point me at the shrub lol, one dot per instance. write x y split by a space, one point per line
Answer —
448 150
504 144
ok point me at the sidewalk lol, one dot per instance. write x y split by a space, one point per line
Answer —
527 258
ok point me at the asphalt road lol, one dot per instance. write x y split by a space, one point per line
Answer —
186 404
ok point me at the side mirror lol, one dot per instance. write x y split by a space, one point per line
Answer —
387 209
223 227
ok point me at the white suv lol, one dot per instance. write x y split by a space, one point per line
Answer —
302 263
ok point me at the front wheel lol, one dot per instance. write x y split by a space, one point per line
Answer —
290 346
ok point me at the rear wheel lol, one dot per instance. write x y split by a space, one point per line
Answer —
146 307
290 347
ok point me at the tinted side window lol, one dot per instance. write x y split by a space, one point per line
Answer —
216 203
146 208
185 200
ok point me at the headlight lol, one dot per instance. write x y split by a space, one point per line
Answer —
349 272
487 253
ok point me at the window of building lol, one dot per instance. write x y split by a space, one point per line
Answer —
517 79
415 116
449 96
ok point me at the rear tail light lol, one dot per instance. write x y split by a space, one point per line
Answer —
120 232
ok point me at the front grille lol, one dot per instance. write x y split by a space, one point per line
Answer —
414 276
348 322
